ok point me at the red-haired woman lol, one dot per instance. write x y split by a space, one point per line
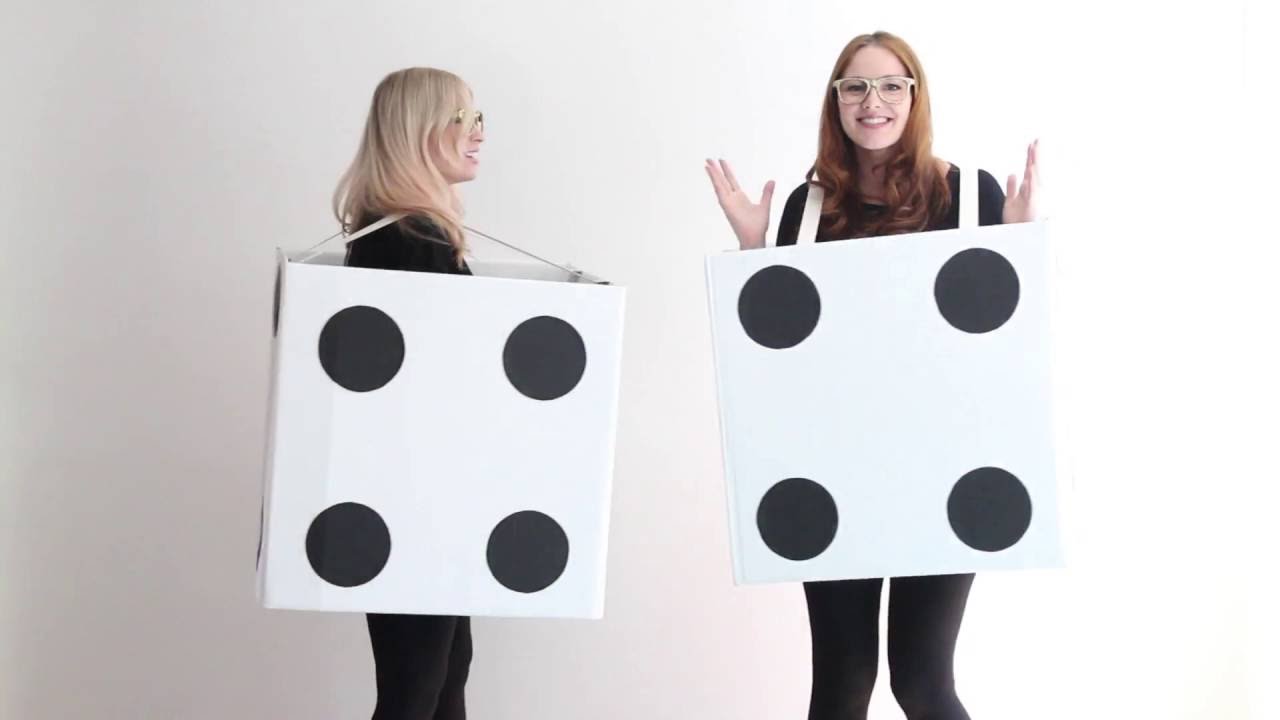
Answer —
879 176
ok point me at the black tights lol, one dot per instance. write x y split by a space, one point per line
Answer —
421 663
924 620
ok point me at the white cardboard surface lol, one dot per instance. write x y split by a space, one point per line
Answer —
886 405
446 449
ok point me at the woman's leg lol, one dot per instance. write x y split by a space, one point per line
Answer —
411 661
453 704
924 622
844 623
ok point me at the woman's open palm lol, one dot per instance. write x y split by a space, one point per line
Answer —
749 220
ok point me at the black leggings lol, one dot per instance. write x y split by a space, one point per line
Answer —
924 620
421 663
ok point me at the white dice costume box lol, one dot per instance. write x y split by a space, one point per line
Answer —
440 444
886 403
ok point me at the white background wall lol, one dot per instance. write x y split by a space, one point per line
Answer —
155 153
1262 61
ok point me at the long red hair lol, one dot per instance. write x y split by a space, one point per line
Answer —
915 185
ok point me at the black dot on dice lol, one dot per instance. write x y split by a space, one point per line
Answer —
977 290
797 519
528 551
348 544
779 307
361 348
544 358
989 509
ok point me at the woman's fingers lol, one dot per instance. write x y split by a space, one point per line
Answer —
1029 175
715 183
1011 187
723 187
728 174
1035 163
729 193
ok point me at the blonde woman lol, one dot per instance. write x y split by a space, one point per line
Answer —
421 139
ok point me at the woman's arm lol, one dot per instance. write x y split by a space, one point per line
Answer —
990 199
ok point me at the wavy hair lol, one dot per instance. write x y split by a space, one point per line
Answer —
916 189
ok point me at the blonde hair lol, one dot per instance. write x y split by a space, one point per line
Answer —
392 171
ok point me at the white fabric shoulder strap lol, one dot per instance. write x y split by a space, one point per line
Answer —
314 250
968 206
574 274
374 227
812 213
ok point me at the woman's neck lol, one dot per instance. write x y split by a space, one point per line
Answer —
870 165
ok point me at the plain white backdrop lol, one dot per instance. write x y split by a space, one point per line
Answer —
155 154
1262 151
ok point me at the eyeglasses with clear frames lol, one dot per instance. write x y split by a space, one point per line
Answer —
471 120
892 89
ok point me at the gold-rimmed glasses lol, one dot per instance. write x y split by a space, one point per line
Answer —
471 120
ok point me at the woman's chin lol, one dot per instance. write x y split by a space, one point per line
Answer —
874 144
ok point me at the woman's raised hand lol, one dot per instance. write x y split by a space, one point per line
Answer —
1020 202
749 220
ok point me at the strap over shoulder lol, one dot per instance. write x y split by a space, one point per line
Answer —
812 213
